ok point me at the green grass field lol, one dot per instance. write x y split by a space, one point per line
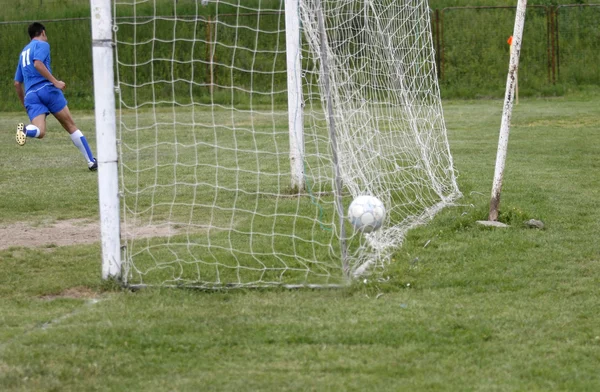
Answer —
461 308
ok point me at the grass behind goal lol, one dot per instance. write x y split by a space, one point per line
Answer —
461 307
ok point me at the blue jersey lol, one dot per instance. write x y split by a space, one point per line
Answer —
26 72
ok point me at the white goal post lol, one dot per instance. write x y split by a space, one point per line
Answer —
106 141
233 135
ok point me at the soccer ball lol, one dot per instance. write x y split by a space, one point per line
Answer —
366 213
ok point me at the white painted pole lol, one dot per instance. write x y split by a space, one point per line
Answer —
106 137
507 112
332 137
294 84
516 78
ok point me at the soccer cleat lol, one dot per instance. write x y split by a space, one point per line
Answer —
21 137
93 166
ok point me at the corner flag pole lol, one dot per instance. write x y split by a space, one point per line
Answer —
507 111
510 43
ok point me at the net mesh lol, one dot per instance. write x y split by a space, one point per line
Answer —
205 143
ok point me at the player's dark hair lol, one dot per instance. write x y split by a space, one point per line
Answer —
35 29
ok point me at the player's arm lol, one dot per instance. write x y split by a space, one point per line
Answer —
41 68
20 92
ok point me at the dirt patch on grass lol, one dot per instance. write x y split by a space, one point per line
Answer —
73 292
66 232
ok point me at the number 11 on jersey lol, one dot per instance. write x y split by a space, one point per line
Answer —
25 57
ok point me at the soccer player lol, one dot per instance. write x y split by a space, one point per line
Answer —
43 94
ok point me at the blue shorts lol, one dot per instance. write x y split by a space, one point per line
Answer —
45 100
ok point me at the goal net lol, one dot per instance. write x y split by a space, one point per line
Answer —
246 128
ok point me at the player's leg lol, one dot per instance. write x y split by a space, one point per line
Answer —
66 120
37 112
57 104
37 128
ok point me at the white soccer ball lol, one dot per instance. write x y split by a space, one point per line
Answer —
366 213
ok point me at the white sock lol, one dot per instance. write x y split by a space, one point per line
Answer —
32 131
81 143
